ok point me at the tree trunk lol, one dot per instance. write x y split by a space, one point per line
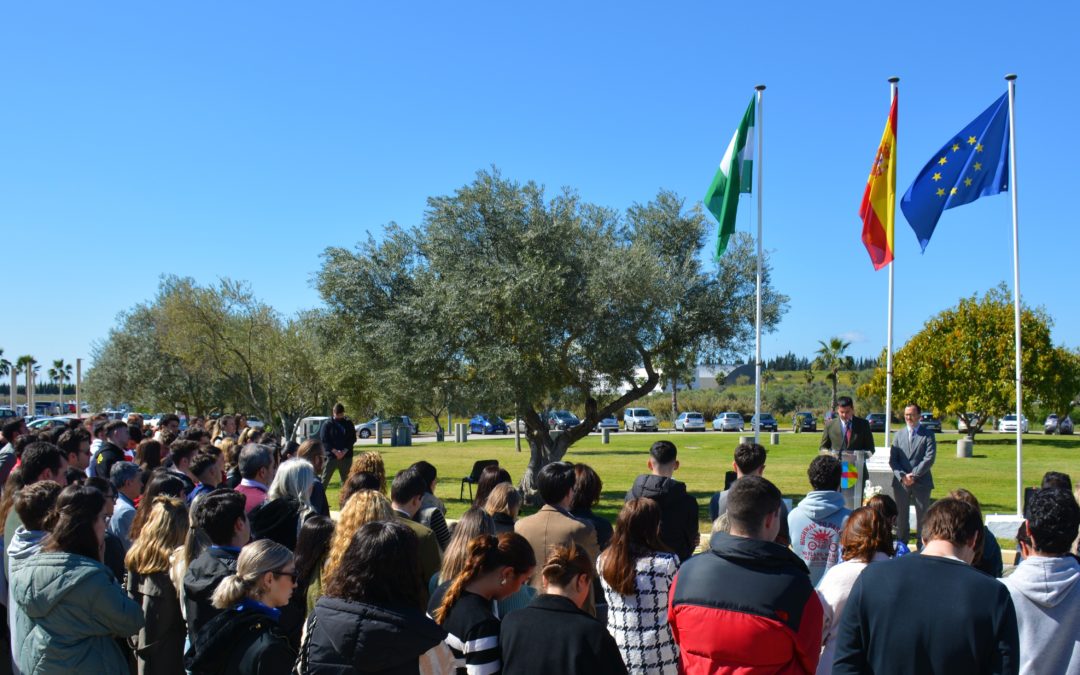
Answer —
674 399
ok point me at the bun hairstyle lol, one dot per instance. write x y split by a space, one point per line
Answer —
487 553
256 559
565 564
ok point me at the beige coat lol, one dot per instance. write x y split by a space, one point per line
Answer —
550 527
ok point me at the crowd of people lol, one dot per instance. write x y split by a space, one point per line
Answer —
213 550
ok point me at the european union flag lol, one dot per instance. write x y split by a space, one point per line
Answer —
973 164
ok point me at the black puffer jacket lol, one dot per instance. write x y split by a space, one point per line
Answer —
678 511
346 637
277 520
202 577
240 642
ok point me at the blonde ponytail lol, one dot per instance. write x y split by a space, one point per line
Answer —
256 559
487 553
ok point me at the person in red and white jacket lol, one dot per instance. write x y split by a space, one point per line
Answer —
746 605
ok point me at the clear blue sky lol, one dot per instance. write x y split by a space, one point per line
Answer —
240 139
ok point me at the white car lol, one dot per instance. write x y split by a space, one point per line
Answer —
728 421
637 419
690 421
1007 424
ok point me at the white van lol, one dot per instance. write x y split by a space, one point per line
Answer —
308 427
640 419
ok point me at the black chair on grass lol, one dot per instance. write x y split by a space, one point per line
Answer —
474 477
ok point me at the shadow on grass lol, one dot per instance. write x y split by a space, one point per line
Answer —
1011 441
587 453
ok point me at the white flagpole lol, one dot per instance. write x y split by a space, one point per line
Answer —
889 328
757 323
1016 297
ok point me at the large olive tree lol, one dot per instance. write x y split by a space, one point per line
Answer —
503 296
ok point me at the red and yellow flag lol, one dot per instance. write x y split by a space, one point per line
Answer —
878 209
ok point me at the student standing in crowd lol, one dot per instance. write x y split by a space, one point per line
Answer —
257 468
35 506
312 547
364 506
39 461
489 478
406 493
371 618
208 467
816 522
220 519
432 512
160 645
930 613
866 539
496 568
126 479
75 444
987 552
1045 587
111 450
181 454
746 603
572 641
886 507
678 509
312 450
243 639
749 460
636 573
73 607
288 503
160 483
503 505
587 490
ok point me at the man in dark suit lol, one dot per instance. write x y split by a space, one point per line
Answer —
911 456
845 431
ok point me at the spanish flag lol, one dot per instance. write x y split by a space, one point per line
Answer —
878 209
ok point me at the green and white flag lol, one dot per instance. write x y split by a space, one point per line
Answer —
732 178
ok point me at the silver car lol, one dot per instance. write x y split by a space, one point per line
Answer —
690 421
728 421
1053 425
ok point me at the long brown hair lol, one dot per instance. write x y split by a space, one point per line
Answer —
370 462
165 529
866 532
637 533
487 553
565 564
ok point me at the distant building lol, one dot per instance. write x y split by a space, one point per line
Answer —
705 377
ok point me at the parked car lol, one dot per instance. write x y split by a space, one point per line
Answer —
1053 425
728 421
484 424
367 429
876 421
640 419
1008 424
561 420
6 414
803 421
255 422
690 421
930 422
609 422
768 422
48 423
308 427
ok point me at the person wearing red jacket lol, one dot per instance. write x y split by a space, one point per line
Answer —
746 605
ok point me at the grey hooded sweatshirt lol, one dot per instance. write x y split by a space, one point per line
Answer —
1046 594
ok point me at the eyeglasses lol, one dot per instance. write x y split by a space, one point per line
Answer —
293 575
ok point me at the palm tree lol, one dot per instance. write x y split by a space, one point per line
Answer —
58 373
5 370
24 364
831 356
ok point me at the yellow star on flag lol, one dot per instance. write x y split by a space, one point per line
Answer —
955 147
943 161
937 176
952 191
941 192
971 140
978 166
967 182
978 148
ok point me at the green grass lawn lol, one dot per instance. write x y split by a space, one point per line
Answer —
704 458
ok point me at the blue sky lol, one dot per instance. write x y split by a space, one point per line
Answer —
241 139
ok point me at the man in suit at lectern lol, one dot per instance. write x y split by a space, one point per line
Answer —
911 457
846 431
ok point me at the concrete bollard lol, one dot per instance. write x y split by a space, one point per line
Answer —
774 438
605 436
378 433
746 439
964 448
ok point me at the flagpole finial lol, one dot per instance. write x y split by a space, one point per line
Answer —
760 87
894 79
1010 77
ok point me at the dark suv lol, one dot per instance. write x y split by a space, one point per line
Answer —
876 421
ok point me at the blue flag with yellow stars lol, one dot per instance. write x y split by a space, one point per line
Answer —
974 163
